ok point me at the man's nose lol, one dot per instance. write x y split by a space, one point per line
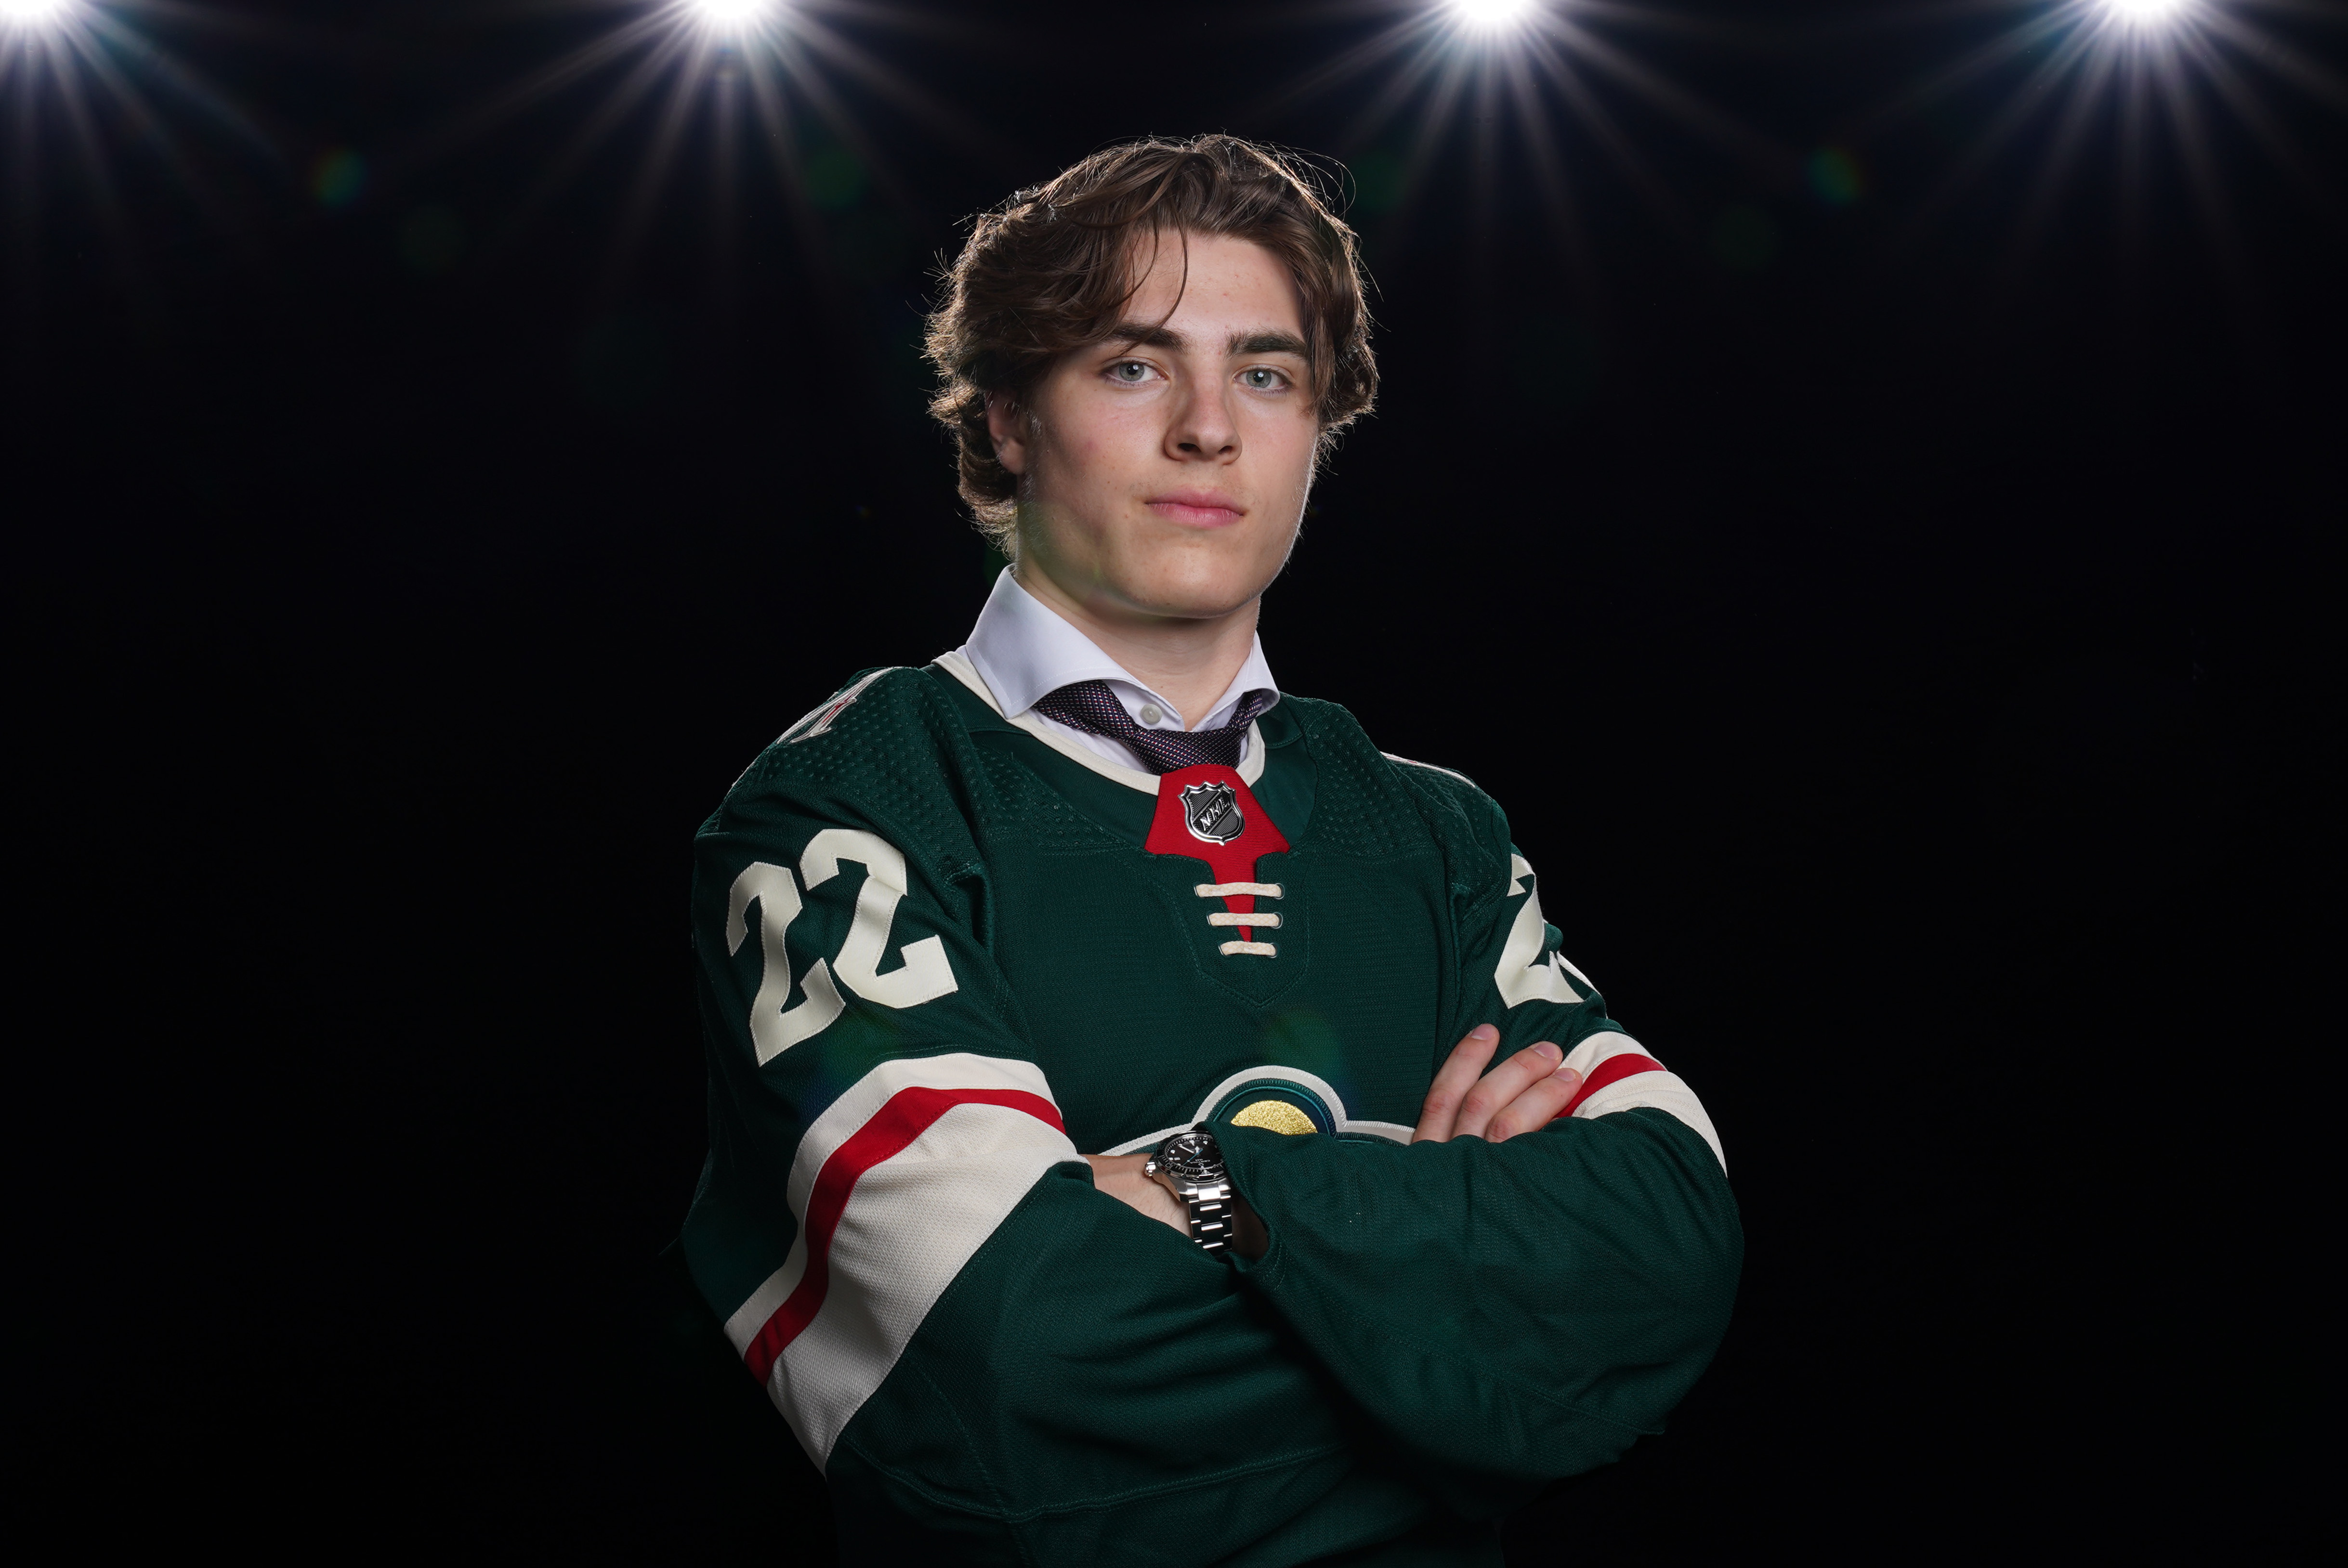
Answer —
1203 426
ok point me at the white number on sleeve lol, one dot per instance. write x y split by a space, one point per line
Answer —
774 1027
923 975
1522 974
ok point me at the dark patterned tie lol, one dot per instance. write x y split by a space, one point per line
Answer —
1092 707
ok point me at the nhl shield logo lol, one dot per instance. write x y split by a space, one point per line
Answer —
1211 812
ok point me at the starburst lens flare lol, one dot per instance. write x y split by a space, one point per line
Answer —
2130 83
32 13
1491 15
730 16
718 83
2146 13
90 104
1546 81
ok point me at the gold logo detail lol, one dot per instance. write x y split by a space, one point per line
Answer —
1276 1116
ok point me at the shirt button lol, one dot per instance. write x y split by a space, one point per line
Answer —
1151 714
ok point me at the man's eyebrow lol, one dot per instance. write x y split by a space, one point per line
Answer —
1146 334
1157 335
1269 343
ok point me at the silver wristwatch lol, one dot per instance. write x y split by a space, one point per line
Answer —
1192 1162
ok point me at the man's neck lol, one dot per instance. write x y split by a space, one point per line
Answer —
1189 661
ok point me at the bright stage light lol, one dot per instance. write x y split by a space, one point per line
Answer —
729 15
32 13
2146 13
1490 15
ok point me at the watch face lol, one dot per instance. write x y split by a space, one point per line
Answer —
1191 1157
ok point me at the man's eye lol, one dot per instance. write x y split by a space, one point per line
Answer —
1129 372
1263 380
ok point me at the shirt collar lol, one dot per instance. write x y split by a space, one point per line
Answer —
1023 650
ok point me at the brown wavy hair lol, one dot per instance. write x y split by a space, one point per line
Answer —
1053 267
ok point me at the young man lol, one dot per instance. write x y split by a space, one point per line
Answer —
1094 1177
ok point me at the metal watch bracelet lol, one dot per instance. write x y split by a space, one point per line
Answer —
1212 1222
1191 1164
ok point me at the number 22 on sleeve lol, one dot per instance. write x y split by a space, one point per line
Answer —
924 976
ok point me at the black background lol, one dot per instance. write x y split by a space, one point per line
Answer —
1901 630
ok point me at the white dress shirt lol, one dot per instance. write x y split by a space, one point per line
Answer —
1023 650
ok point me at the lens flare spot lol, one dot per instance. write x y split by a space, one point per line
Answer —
1835 177
1744 237
835 178
432 240
337 178
1379 183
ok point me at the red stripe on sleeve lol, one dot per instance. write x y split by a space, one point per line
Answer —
1613 1070
909 1113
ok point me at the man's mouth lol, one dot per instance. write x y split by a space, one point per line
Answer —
1202 508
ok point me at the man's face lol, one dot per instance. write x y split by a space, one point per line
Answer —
1163 473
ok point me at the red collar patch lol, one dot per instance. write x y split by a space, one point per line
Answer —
1208 812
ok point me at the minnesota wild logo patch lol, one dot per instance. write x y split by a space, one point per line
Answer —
1278 1099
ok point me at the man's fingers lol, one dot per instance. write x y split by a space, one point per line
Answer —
1536 1108
1523 1092
1499 1088
1452 1083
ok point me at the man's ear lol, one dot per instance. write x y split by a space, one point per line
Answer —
1006 424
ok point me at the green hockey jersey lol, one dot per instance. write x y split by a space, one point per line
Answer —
943 953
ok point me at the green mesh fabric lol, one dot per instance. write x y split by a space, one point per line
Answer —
1439 1331
1365 804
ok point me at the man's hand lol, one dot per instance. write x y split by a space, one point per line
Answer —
1119 1175
1522 1093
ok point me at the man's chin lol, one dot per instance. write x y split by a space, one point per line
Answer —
1191 599
1157 579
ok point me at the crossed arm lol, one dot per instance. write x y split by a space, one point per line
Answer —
992 1364
1524 1092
